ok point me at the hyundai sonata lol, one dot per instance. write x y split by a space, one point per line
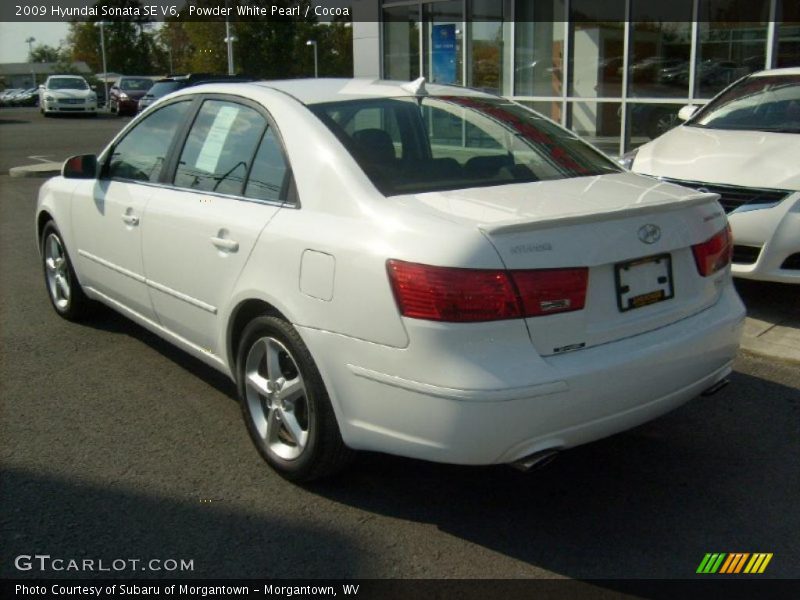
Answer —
427 271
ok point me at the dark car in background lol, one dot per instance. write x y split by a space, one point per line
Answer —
173 83
124 96
29 97
6 95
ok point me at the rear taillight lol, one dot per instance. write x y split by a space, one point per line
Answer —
715 253
548 291
445 294
469 295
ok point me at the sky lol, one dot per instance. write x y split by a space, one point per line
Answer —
13 35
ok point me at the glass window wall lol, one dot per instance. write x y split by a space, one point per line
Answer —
444 39
599 123
539 48
596 48
486 43
728 50
616 71
660 49
788 46
401 42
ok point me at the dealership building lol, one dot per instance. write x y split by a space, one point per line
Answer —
614 71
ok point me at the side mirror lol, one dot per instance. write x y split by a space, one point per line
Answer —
83 166
41 86
687 112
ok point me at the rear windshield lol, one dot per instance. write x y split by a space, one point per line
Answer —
765 103
138 84
162 88
66 83
409 145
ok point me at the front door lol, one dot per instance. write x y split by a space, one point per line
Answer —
108 213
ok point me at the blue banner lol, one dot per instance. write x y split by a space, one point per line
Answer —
443 53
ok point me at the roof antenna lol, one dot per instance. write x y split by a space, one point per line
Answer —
416 87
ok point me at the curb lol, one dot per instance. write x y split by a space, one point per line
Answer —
48 169
776 341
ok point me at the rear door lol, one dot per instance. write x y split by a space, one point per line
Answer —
230 179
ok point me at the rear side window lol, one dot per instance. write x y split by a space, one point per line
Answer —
220 147
141 154
270 174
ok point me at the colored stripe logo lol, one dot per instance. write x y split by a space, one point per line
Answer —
734 563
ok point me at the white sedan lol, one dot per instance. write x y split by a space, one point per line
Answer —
430 272
745 146
67 94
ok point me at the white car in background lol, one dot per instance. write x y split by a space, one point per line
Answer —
745 146
67 94
436 273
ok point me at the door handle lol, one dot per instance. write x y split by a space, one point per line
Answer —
131 220
225 244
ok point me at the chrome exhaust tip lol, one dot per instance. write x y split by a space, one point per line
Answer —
722 383
537 460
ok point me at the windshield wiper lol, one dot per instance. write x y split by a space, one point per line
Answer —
780 129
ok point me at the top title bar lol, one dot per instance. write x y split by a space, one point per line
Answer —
581 11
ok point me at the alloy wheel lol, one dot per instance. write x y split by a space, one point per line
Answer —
276 398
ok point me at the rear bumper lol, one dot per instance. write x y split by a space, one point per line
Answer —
128 106
441 414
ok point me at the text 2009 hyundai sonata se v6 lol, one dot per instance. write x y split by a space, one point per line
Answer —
430 272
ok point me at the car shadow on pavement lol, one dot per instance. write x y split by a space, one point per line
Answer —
109 321
73 519
771 302
717 475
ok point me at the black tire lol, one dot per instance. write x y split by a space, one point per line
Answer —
74 306
323 453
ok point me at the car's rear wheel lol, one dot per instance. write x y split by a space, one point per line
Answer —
63 288
285 404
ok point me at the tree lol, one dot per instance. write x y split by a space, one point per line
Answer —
130 45
44 53
174 47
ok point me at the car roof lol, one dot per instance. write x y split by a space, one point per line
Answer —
784 71
314 91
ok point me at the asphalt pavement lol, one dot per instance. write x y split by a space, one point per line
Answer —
116 445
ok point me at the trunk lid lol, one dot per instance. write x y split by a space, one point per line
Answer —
605 223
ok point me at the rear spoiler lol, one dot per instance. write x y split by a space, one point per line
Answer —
578 218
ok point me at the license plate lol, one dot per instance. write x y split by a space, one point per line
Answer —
644 281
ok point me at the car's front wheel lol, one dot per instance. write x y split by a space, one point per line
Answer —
66 294
285 404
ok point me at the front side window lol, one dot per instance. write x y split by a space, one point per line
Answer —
767 103
453 142
67 83
141 154
220 147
